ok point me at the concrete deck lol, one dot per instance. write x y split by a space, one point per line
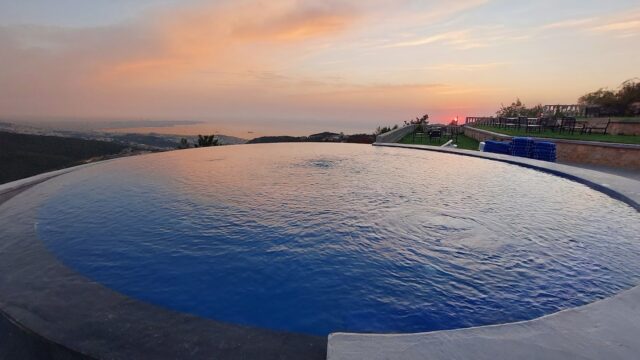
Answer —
629 173
606 329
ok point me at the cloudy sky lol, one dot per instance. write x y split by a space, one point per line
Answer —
309 65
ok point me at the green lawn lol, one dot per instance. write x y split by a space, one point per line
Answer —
623 119
463 142
621 139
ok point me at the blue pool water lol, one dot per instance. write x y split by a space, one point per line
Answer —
317 238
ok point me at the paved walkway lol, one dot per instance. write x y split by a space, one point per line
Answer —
628 173
608 329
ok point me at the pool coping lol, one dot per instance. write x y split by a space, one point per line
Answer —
608 328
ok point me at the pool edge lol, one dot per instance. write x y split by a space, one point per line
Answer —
617 187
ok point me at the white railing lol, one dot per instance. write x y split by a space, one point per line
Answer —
396 135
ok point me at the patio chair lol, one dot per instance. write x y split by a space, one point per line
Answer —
454 131
548 123
569 124
511 123
523 121
419 133
598 127
533 124
435 133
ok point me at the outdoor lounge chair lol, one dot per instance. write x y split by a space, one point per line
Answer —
548 123
598 127
435 133
419 132
569 124
533 124
452 132
511 123
522 122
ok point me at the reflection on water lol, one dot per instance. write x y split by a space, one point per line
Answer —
318 238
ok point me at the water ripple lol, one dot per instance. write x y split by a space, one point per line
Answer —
318 238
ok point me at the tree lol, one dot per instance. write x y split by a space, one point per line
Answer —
382 130
606 100
206 141
629 93
535 111
517 108
624 101
184 144
423 120
385 129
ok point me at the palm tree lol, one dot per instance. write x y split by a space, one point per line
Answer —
206 141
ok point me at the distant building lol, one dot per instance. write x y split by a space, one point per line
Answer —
564 110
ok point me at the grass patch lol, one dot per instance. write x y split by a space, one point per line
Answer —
620 139
463 142
623 119
467 143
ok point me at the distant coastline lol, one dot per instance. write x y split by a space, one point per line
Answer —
27 149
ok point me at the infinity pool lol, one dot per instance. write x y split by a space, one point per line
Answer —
318 238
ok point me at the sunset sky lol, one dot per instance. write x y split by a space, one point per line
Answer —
296 66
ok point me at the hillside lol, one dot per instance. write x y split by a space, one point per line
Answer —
24 155
321 137
275 139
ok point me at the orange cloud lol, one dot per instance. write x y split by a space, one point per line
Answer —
626 24
297 26
447 36
468 67
570 23
629 25
234 37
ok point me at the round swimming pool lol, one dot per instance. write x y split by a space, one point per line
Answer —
319 238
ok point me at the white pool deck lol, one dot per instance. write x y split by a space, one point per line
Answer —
606 329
